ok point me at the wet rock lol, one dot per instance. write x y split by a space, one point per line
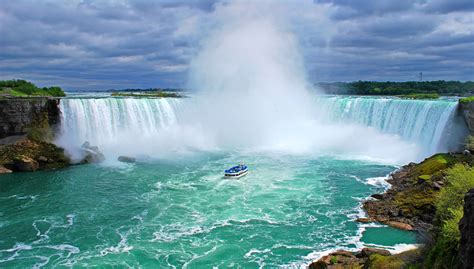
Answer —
318 265
126 159
86 145
25 164
42 159
92 154
377 196
4 170
399 225
365 220
343 253
366 252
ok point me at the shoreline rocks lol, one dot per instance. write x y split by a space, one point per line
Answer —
409 204
365 258
31 155
4 170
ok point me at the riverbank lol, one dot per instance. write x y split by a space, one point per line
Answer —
412 203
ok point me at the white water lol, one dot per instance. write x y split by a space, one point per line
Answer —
422 122
357 127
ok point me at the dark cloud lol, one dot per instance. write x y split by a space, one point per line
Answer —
102 44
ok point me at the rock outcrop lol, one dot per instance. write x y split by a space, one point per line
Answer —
18 116
91 153
410 202
466 227
30 155
126 159
467 110
366 258
4 170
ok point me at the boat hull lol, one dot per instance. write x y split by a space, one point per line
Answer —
237 175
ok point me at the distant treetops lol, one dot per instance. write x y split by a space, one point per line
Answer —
23 88
410 89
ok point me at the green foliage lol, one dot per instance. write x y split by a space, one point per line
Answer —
433 164
378 261
450 227
459 180
425 177
23 88
443 254
440 87
333 260
449 210
420 96
40 134
466 100
470 143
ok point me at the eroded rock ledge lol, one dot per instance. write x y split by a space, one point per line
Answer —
409 204
466 108
18 116
28 155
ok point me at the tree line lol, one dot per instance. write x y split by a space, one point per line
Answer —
441 87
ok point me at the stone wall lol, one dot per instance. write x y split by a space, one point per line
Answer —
467 110
18 115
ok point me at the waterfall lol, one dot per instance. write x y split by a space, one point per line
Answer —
421 121
104 120
150 125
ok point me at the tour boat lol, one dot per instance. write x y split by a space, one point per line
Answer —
237 171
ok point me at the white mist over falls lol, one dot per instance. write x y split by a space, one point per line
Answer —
252 94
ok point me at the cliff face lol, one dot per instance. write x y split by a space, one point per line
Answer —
18 116
467 110
466 226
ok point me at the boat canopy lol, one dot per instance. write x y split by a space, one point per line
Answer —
236 169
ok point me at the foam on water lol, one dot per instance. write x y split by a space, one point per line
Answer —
175 214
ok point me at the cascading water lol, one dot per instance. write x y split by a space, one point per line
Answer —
103 119
112 121
420 121
146 126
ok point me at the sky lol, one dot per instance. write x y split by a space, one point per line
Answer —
93 45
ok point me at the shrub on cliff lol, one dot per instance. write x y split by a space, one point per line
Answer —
449 211
466 100
23 88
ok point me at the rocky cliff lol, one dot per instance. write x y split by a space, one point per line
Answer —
19 115
466 227
467 110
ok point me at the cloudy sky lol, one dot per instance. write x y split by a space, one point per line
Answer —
82 44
